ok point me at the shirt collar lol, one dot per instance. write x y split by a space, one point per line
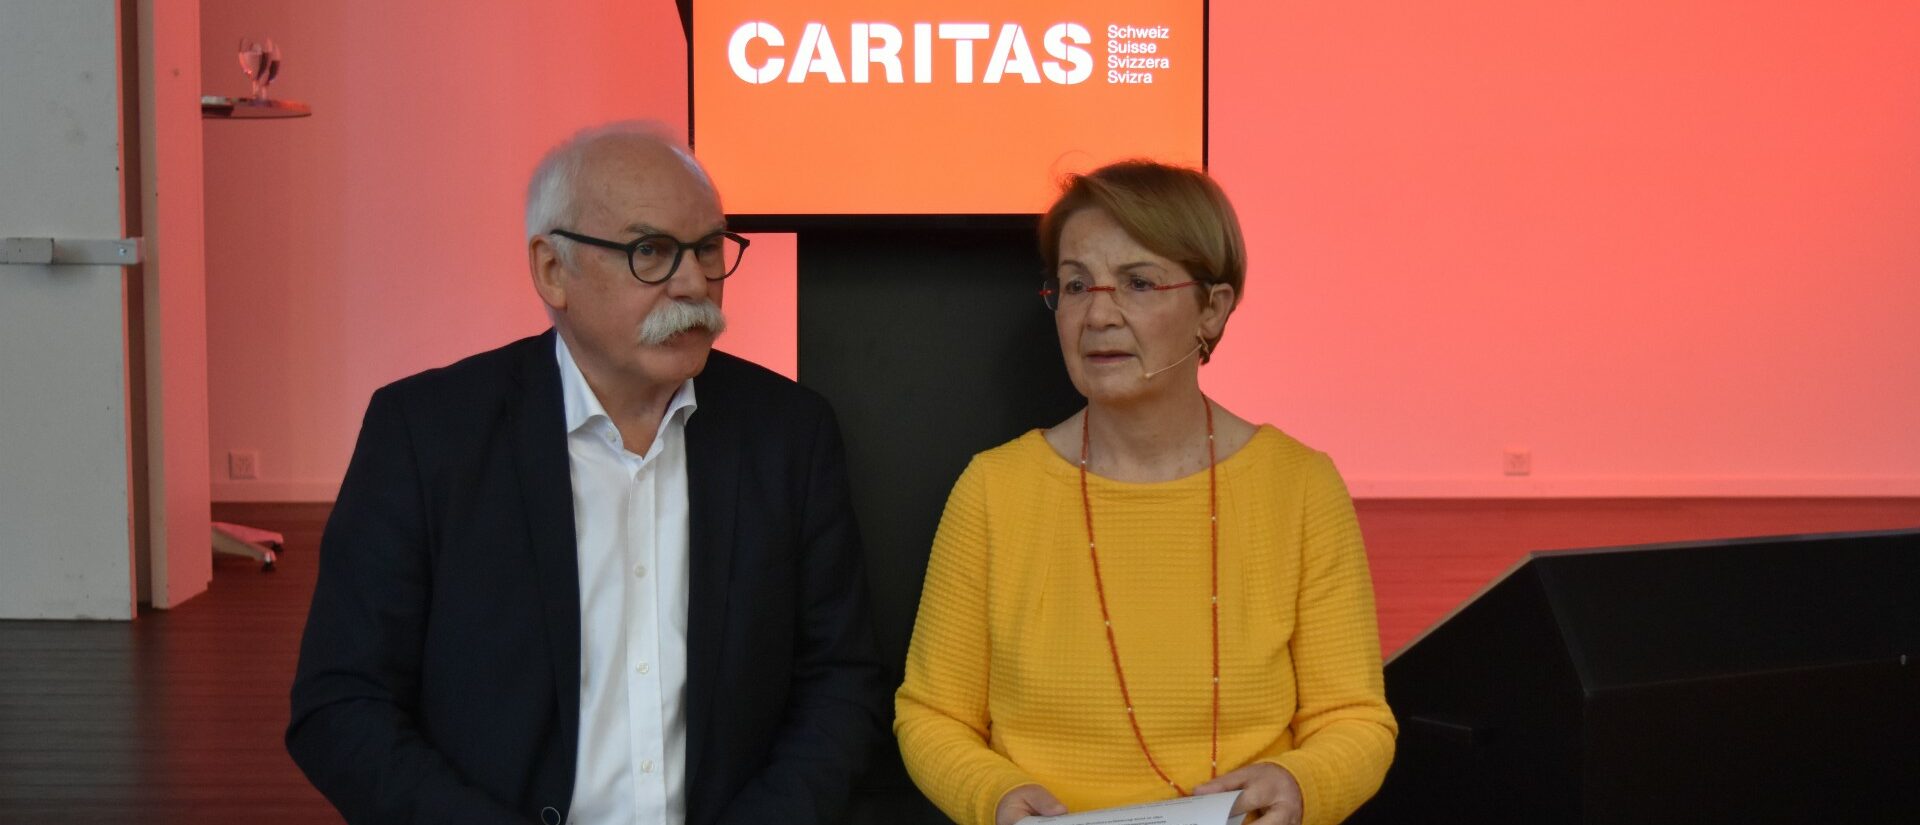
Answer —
582 406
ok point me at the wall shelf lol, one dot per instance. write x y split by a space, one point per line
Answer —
215 107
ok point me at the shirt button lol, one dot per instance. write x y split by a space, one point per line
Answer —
643 668
640 571
646 766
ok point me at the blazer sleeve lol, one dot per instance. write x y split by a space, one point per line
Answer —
838 700
356 690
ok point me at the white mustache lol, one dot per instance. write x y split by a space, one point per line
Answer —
677 316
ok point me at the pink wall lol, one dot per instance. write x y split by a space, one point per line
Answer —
762 323
383 235
1673 249
1670 250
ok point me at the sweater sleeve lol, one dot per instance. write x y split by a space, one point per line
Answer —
940 712
1343 731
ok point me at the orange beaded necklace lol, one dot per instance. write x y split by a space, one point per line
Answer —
1106 618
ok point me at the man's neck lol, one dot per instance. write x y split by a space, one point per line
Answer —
634 403
637 412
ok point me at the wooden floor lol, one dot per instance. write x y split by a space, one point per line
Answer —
176 717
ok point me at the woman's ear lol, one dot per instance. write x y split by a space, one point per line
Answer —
1213 316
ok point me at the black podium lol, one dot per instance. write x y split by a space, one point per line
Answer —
1762 680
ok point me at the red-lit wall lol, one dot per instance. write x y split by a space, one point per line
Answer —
383 235
1670 250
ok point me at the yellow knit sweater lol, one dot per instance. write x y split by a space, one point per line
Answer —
1009 680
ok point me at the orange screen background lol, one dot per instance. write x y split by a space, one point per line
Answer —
877 148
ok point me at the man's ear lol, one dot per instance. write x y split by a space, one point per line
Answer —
548 271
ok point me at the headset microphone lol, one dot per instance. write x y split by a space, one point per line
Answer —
1146 375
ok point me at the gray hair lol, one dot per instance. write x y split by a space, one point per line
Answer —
555 183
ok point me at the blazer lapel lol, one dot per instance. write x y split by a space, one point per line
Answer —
546 491
713 472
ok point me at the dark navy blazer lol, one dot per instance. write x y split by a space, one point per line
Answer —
439 678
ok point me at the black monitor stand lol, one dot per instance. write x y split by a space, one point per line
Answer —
933 345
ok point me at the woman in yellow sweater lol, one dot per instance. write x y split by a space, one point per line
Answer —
1154 597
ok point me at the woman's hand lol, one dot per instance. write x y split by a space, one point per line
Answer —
1025 801
1266 790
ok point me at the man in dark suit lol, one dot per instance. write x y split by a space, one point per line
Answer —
600 575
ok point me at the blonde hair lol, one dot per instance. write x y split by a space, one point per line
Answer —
1177 213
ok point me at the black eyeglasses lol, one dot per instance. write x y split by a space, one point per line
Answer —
649 262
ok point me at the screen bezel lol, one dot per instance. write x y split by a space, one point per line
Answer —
795 222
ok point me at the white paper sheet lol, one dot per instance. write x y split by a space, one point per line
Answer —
1193 810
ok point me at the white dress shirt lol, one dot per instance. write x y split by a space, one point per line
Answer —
630 521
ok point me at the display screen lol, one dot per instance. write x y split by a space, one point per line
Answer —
968 107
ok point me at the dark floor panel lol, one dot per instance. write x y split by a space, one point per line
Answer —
175 717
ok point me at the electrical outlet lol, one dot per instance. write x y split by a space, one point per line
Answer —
1517 461
243 464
